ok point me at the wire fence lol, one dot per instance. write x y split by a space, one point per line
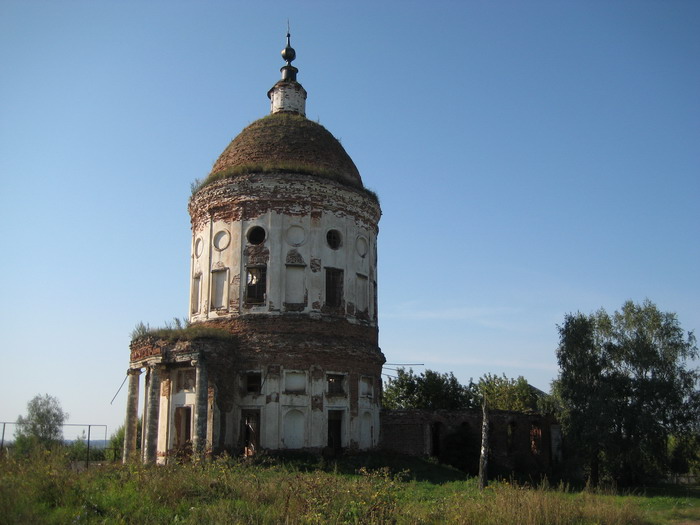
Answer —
85 442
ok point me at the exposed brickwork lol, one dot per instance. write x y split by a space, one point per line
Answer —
252 195
293 342
294 257
257 254
315 264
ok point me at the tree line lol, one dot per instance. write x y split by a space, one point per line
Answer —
433 390
626 394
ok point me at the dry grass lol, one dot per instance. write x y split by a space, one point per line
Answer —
226 491
179 332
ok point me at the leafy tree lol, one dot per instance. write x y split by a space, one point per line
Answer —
502 393
626 389
116 441
430 390
43 425
684 454
433 390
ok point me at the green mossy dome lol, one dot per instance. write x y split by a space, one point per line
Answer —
287 142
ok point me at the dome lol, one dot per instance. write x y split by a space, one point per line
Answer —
287 142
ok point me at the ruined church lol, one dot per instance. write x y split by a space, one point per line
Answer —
281 351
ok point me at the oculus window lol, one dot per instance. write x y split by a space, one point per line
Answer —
334 239
256 235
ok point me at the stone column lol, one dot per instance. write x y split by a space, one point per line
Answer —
132 414
151 418
199 440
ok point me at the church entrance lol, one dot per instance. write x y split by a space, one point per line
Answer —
183 427
250 431
335 429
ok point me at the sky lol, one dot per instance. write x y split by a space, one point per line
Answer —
532 159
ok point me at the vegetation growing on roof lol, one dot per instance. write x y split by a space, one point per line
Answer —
285 142
178 330
268 167
305 169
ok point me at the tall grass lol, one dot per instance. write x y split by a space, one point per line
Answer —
42 489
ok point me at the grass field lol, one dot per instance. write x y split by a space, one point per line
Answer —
356 489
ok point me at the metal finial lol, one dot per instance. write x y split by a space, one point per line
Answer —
288 53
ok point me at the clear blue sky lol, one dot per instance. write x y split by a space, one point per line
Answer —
532 159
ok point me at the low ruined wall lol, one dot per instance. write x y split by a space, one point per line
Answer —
520 443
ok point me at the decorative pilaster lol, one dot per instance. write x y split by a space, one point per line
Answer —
199 441
132 414
151 419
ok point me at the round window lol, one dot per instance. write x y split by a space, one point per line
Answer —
256 235
333 239
221 240
296 235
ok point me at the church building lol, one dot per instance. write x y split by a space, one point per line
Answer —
281 351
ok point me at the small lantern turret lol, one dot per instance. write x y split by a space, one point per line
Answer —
287 95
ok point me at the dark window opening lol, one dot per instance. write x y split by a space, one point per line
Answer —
334 287
511 435
435 434
253 382
256 235
335 429
334 239
535 439
335 384
183 427
256 285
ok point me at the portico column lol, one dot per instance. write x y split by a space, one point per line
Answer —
151 420
199 441
132 414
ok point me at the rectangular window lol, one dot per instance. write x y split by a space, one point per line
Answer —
196 285
295 382
294 285
218 290
366 386
256 285
334 287
361 293
335 384
511 435
535 438
253 382
186 380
